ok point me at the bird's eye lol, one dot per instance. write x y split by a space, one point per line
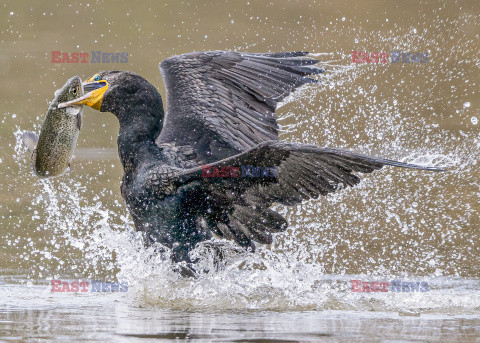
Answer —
97 78
73 91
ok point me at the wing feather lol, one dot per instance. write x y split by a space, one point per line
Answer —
222 103
304 172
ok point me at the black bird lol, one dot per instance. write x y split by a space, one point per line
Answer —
220 113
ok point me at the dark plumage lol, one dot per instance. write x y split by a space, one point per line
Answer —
221 112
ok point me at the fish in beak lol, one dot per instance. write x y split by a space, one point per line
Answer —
94 90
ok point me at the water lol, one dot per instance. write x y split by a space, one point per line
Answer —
397 224
117 318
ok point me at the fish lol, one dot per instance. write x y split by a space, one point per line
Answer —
52 151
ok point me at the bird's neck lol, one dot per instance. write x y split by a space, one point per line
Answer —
134 153
140 116
136 143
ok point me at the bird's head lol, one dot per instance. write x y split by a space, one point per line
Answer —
123 93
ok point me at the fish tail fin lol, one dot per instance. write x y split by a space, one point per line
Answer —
30 140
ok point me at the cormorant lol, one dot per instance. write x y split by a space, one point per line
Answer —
220 113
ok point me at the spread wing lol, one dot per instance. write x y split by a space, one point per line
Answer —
222 103
239 207
303 171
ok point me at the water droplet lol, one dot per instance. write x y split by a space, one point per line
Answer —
343 18
467 104
11 13
474 120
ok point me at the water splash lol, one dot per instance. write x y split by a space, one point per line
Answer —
88 240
